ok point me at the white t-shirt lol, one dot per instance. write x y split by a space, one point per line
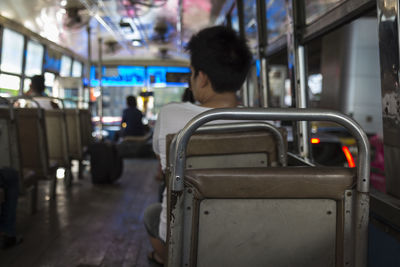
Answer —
44 102
171 119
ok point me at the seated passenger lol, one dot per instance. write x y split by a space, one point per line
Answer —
132 119
36 90
220 61
8 209
187 95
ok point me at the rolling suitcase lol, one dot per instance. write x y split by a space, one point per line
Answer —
106 163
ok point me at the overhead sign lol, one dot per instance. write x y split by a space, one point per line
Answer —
119 76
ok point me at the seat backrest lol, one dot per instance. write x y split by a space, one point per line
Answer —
243 148
74 133
57 137
86 127
293 216
9 152
279 216
32 140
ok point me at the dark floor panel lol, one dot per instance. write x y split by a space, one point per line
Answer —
88 226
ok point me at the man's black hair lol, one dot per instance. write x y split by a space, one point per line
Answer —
131 101
221 54
37 84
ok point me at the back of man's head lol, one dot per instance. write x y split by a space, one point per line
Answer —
222 55
131 101
37 84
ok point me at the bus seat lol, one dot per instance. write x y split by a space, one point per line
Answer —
10 156
57 137
280 216
74 133
85 120
243 148
257 216
32 140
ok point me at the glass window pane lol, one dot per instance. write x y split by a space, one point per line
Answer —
12 51
49 79
65 66
276 18
235 20
27 83
316 8
9 84
76 69
250 21
34 59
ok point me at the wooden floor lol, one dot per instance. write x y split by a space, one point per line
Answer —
88 225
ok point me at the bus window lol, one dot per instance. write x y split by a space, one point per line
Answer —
168 84
65 66
279 93
276 19
9 85
235 20
34 59
12 52
314 89
49 82
76 69
317 8
27 83
250 22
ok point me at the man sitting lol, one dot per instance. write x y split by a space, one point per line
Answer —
36 90
220 61
132 119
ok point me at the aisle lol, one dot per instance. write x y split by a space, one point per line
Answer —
88 225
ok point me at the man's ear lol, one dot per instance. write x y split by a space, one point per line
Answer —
203 79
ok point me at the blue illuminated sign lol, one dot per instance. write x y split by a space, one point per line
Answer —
119 76
168 76
136 76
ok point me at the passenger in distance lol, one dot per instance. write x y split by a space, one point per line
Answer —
36 90
132 124
220 61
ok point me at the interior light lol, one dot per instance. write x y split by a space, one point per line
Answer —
63 2
60 173
136 43
348 156
315 141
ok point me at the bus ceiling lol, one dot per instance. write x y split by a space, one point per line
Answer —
146 29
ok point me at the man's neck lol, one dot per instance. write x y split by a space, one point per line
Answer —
222 100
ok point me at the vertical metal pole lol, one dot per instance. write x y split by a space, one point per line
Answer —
100 66
262 45
21 86
240 10
89 60
388 26
298 72
179 25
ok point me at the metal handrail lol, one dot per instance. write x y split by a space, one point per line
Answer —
294 114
